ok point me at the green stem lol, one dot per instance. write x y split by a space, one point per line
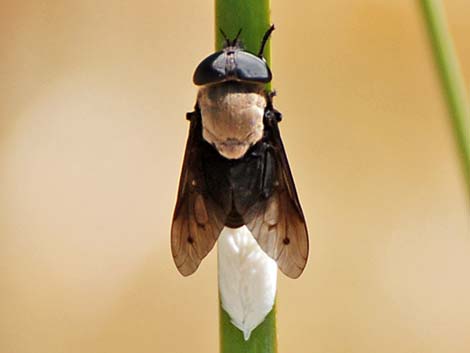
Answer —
252 17
262 340
453 84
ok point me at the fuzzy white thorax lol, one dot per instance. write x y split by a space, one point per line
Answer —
247 279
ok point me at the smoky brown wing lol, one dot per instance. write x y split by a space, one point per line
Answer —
197 220
194 232
278 223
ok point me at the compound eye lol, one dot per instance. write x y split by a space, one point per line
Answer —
250 68
210 70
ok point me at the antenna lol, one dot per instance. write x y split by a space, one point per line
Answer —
227 41
234 42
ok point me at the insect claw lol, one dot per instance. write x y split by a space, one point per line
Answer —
265 40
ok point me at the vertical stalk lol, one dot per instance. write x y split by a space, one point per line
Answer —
253 18
452 81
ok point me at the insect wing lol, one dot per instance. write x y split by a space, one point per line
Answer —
197 220
278 223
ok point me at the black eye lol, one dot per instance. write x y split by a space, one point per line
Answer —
251 68
210 70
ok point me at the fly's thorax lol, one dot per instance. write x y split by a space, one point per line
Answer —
232 116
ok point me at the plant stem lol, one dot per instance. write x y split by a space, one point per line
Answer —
262 340
252 17
452 81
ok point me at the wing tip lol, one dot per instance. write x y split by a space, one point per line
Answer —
293 272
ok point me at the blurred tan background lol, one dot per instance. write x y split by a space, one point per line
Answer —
92 131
